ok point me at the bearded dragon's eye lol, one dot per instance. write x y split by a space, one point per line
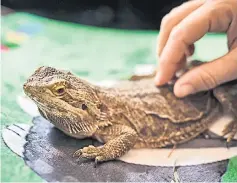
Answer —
60 90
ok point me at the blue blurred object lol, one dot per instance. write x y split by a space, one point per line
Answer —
30 28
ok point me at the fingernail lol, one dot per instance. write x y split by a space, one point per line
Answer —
185 90
158 78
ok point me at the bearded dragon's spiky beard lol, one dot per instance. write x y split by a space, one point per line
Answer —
68 122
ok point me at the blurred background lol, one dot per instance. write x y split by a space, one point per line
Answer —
124 14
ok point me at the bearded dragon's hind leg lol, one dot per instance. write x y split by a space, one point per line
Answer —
124 139
227 96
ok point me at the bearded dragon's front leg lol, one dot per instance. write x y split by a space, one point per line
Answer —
119 139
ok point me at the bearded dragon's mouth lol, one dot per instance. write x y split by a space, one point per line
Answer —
39 103
43 113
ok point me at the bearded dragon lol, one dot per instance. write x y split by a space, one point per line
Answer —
134 114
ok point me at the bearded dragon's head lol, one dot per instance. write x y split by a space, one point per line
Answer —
70 103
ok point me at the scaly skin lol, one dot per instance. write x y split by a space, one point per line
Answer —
135 114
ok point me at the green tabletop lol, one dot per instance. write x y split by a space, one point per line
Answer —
90 52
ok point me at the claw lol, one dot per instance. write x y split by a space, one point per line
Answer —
96 163
227 145
230 129
232 134
90 152
77 153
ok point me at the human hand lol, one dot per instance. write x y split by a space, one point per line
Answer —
181 28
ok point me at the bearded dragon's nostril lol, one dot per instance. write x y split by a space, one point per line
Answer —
25 86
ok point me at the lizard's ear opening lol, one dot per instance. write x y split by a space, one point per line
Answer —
83 106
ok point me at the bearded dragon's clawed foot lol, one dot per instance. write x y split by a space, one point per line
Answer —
124 139
100 154
91 152
231 130
87 152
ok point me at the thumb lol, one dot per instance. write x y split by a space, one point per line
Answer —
208 75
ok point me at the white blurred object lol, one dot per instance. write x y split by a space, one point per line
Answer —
27 105
182 157
14 137
107 83
144 69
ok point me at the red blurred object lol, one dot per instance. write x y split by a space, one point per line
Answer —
4 48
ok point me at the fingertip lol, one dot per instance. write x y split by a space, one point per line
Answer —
183 90
176 91
186 84
159 79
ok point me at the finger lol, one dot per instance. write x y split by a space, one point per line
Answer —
232 38
182 63
234 44
232 31
208 75
179 66
191 29
172 19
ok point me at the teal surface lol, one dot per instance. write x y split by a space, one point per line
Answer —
90 52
